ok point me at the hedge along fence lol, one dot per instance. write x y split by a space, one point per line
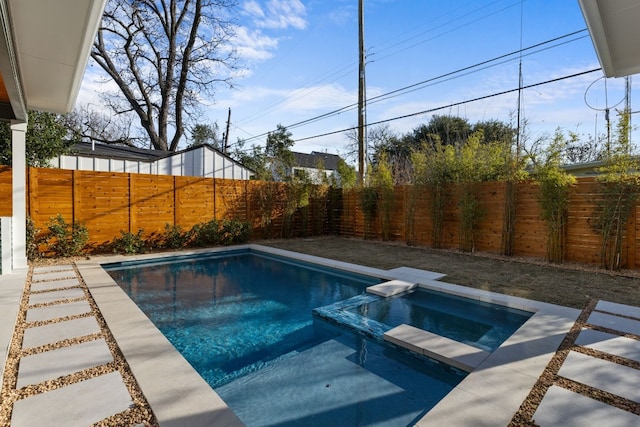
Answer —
108 202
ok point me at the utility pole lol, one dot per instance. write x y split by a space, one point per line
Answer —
362 148
226 134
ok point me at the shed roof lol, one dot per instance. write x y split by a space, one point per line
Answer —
328 161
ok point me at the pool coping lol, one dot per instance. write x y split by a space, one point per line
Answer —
490 395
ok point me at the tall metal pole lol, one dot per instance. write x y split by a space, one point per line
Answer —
362 149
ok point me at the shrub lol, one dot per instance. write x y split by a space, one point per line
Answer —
369 204
32 240
130 243
234 232
205 234
65 240
174 237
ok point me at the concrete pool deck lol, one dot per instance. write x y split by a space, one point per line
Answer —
490 395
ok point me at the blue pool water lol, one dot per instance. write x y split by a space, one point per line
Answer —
244 322
477 323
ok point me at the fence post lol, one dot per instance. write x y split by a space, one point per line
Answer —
176 202
215 213
32 191
632 249
132 213
74 196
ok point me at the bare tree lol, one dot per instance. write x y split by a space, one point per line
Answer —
88 125
166 57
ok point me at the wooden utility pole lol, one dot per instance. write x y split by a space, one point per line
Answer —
226 135
362 147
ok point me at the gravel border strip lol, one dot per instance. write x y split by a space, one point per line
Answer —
524 416
139 414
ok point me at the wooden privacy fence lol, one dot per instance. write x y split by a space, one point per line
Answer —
109 202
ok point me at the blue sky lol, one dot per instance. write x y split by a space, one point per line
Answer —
301 60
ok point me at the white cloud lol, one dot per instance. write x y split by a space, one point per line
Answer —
277 14
253 45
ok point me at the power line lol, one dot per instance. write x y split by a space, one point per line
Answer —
468 101
300 93
433 81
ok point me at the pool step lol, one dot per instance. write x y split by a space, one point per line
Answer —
454 353
392 287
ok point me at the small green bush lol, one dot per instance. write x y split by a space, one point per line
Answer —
32 240
130 243
235 232
206 234
174 237
65 240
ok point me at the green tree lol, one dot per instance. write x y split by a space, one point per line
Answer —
347 176
45 139
445 130
278 153
206 134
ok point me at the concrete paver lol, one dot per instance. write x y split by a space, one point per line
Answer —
617 323
63 361
51 296
58 311
52 268
601 374
624 310
454 353
609 343
54 275
54 284
54 332
392 287
79 404
564 408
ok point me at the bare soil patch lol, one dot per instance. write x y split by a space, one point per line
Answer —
571 285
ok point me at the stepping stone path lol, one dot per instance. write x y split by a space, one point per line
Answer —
64 367
593 378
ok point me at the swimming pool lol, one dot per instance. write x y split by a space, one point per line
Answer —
243 320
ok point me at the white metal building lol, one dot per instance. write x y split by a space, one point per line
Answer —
203 161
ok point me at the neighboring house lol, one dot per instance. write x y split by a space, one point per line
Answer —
204 161
587 169
319 167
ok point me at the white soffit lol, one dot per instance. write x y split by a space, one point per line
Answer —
614 26
53 41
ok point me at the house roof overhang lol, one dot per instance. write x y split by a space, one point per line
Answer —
44 50
614 29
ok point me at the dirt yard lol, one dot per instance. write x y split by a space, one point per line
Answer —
569 285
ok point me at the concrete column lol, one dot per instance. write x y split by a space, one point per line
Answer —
19 172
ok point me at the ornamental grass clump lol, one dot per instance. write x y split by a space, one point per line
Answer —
619 182
554 192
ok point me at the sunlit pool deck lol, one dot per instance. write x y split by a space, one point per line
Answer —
491 394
